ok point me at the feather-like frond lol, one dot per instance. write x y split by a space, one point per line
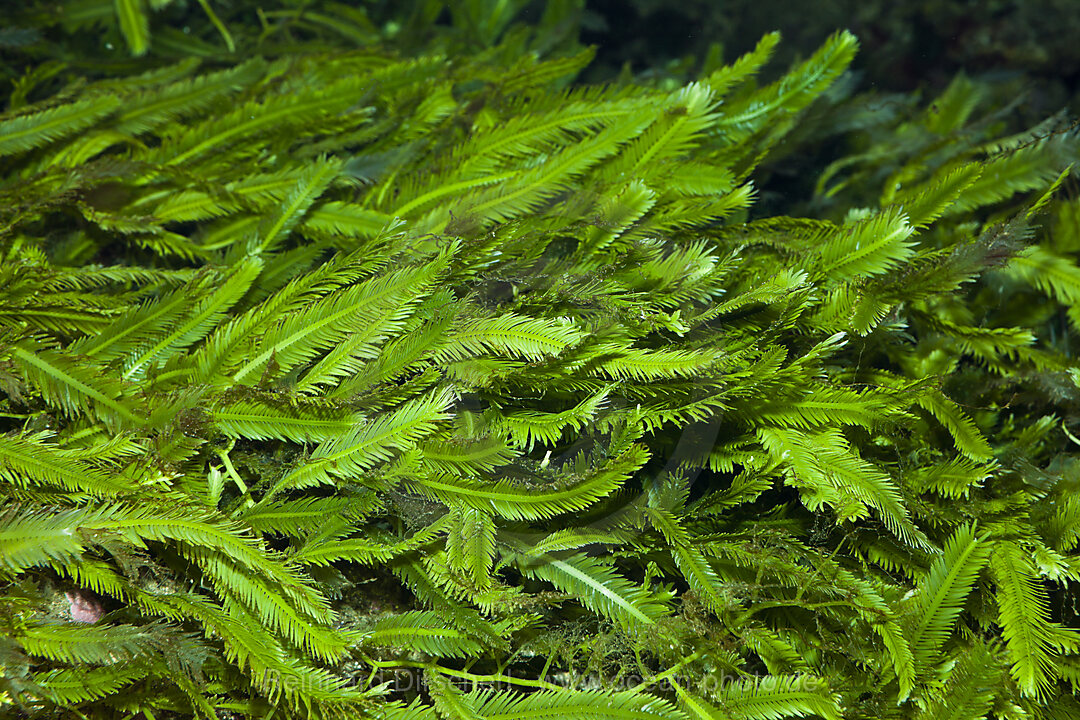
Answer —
569 704
77 388
371 442
600 589
965 433
423 631
940 595
79 685
29 538
827 472
772 697
470 544
690 560
27 132
28 461
1024 616
520 502
868 246
325 323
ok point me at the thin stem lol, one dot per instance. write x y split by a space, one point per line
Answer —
670 672
240 484
464 675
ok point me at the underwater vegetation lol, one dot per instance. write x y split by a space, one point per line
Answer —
355 361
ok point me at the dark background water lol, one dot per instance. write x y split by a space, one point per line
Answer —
905 46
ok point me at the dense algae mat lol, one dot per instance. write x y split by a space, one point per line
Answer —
344 383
